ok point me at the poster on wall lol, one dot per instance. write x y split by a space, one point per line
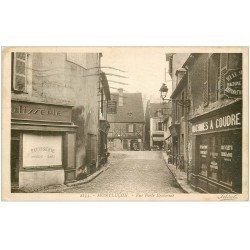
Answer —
233 83
42 150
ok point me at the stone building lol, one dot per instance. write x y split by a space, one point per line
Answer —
155 115
211 84
55 117
127 124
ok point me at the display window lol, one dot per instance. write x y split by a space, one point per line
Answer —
226 153
219 155
203 153
213 157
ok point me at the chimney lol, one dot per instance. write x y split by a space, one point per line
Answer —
120 91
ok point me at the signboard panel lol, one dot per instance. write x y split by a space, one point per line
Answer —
40 112
112 107
42 150
230 119
233 83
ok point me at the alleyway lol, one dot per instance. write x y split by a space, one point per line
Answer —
132 171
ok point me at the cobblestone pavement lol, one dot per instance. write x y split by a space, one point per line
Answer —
132 171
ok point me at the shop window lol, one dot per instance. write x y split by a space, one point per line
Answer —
214 157
203 153
125 144
226 153
41 150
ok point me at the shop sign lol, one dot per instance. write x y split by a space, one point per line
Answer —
217 123
233 83
40 112
203 150
112 107
227 152
42 150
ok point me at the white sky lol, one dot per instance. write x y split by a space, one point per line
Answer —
145 70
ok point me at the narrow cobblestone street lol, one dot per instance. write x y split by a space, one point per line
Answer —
132 171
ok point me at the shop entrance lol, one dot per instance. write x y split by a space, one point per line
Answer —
15 161
134 146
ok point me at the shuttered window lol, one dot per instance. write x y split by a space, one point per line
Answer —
213 77
223 69
19 71
205 85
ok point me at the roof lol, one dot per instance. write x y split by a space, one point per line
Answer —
131 111
165 107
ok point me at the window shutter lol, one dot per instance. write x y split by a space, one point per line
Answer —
205 85
20 61
223 70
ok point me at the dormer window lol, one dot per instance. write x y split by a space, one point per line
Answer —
179 74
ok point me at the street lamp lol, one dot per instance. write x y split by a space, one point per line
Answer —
164 91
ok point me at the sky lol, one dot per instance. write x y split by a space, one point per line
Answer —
145 69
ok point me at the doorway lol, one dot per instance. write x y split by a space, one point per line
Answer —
15 141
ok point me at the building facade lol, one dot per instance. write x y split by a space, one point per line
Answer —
212 121
126 119
55 113
168 137
156 113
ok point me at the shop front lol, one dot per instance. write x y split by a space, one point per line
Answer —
175 133
42 145
217 154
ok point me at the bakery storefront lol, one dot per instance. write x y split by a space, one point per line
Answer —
217 163
42 145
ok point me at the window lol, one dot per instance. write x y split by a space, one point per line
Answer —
176 112
203 155
19 72
182 144
213 157
235 61
213 77
226 153
42 150
159 126
220 158
211 86
131 128
182 103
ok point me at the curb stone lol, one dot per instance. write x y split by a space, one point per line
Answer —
89 178
183 186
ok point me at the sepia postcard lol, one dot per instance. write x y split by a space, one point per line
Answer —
125 124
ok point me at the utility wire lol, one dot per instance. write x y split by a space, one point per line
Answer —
122 83
106 67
